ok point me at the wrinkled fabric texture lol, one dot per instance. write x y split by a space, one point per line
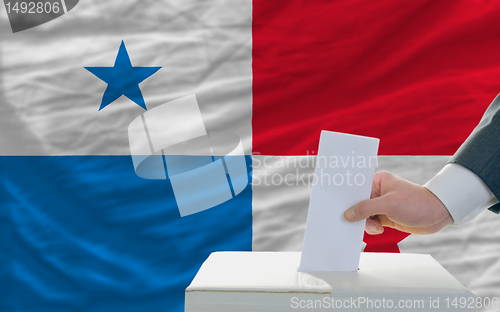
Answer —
84 233
50 102
416 75
79 231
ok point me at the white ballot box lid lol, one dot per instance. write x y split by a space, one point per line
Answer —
270 281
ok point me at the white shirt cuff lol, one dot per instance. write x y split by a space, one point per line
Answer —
462 192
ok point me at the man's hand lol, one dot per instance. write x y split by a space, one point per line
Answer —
400 204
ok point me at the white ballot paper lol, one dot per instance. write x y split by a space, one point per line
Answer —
343 177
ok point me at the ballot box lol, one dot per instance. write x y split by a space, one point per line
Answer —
270 281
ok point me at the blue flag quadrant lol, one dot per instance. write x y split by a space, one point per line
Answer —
85 233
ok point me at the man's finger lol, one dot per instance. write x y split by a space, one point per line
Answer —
384 221
367 208
373 226
380 179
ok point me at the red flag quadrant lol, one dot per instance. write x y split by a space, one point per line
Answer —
416 75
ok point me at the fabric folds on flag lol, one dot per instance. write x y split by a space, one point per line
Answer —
81 231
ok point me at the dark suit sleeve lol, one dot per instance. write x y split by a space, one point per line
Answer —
480 153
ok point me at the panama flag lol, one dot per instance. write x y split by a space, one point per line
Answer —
97 213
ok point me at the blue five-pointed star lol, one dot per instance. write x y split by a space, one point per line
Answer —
123 79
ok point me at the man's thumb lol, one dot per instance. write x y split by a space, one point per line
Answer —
366 208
